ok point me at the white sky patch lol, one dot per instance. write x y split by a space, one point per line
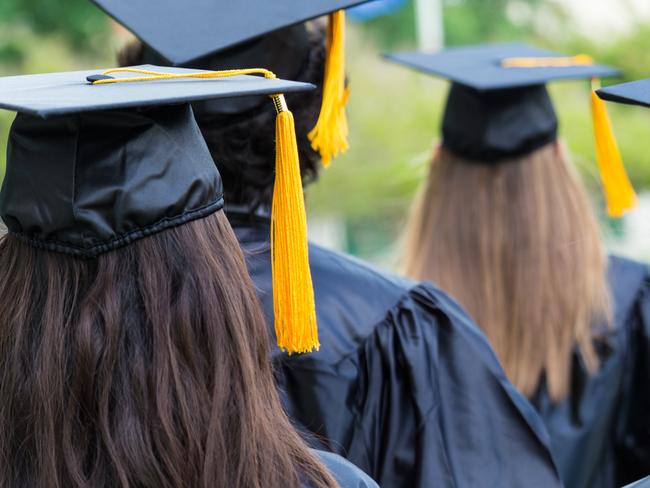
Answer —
599 19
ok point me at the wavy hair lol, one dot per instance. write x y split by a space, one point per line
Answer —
147 367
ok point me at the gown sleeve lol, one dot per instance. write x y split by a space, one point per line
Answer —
430 404
633 439
346 474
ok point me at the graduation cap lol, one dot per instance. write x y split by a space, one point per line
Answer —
498 106
97 160
631 93
190 32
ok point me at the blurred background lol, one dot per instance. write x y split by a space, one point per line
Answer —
362 200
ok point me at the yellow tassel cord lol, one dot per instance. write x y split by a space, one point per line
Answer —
619 194
293 293
330 135
159 75
548 62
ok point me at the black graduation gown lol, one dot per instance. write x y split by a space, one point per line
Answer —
405 385
601 433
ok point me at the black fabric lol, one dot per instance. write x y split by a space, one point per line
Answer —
183 31
88 183
490 126
346 474
601 433
284 52
404 386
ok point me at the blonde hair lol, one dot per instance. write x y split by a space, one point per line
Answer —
517 243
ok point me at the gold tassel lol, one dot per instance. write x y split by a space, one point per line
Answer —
330 135
619 193
293 293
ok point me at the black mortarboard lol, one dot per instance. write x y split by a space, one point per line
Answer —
482 67
226 34
89 169
52 94
631 93
97 160
498 106
184 31
496 112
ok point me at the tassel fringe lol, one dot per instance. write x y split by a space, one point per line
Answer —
330 135
619 193
293 293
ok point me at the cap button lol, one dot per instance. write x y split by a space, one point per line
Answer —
94 78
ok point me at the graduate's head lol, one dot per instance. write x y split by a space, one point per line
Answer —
284 38
237 131
133 348
503 222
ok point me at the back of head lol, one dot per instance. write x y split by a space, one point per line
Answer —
147 366
517 243
240 133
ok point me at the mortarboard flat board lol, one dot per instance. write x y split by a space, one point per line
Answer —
211 25
631 93
480 66
53 94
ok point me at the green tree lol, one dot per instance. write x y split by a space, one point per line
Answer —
78 22
473 21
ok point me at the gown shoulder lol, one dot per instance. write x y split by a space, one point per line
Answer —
346 474
405 385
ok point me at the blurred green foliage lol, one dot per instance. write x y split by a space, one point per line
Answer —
629 52
470 21
465 22
78 22
394 30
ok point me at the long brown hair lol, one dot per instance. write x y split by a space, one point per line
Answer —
517 243
146 367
